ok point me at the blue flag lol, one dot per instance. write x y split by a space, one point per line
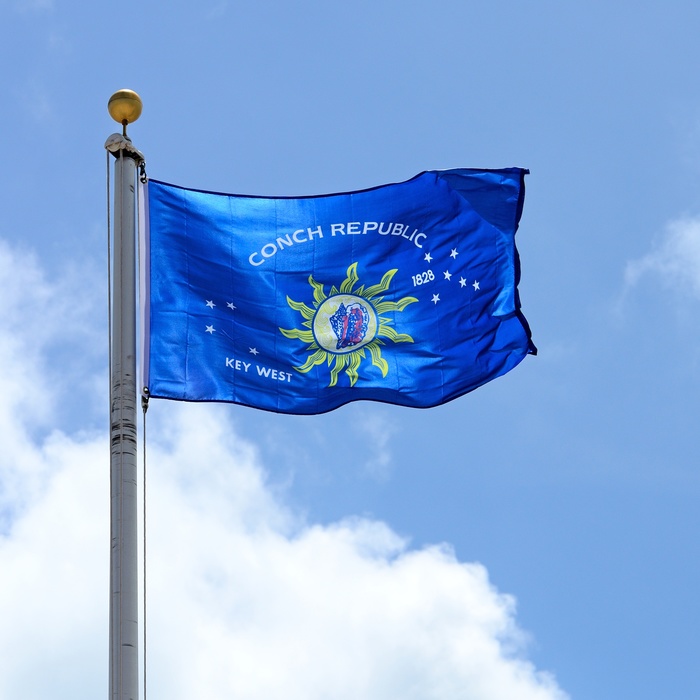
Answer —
405 293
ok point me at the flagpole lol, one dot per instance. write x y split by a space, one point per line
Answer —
124 107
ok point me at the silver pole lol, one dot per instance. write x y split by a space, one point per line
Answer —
124 107
123 669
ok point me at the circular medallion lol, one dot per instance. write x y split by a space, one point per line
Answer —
344 322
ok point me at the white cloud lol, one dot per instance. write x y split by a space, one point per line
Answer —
37 315
217 10
245 599
36 101
379 432
34 5
674 260
59 43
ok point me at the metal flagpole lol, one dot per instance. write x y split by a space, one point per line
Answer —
124 107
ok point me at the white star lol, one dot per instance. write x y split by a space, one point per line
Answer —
428 257
462 282
211 304
210 329
436 298
475 285
448 275
230 305
253 351
454 253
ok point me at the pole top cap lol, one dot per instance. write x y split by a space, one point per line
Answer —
125 106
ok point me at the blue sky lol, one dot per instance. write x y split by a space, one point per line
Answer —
534 539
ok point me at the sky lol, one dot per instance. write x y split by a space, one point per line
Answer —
533 540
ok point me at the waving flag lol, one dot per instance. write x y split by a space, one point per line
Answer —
405 293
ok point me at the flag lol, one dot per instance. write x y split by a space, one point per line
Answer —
404 293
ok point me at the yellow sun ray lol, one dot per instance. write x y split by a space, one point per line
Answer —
306 336
349 282
351 371
319 296
338 367
388 332
377 359
382 286
400 305
316 359
302 308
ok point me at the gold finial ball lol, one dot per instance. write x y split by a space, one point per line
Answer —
125 106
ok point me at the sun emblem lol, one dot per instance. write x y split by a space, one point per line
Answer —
346 323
